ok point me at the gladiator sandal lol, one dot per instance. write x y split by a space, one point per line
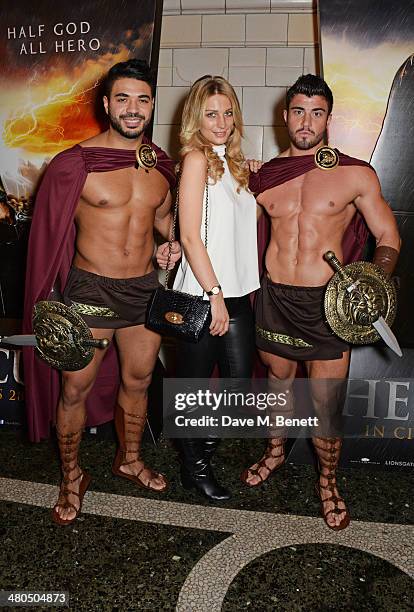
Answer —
328 456
68 447
275 450
130 428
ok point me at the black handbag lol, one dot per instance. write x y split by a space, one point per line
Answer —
174 313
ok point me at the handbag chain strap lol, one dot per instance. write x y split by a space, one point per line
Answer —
174 223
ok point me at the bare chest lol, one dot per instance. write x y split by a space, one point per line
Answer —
125 188
319 192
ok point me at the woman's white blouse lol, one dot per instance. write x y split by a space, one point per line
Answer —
231 238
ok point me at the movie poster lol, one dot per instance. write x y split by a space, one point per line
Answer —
364 44
368 53
368 61
53 57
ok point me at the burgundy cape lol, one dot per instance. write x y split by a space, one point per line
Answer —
282 169
50 253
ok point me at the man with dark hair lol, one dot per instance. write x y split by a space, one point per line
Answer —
96 210
310 85
310 207
131 69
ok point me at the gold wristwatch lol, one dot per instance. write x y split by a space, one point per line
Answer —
214 290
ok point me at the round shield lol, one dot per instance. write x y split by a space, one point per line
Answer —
62 336
146 157
355 297
326 158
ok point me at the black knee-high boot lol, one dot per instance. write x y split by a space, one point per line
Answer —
196 471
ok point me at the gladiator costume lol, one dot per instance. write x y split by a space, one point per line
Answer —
50 253
109 303
290 320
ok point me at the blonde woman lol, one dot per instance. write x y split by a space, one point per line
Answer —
225 272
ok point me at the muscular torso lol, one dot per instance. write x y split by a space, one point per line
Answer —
309 215
115 221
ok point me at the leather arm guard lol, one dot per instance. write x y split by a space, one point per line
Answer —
386 257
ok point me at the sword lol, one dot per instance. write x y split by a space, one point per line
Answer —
31 340
379 324
387 335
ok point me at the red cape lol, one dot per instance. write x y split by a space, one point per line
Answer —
282 169
50 253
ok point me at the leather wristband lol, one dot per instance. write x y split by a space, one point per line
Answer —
386 258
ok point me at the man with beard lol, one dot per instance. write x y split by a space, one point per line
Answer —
310 208
96 209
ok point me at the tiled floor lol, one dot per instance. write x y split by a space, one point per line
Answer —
265 549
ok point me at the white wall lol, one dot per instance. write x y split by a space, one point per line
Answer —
261 46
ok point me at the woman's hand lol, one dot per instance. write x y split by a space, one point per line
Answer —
254 165
162 255
219 316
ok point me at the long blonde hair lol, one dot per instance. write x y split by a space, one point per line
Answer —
191 138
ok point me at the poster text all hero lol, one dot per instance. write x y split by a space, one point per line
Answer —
30 42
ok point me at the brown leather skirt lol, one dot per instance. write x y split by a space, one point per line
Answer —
290 322
109 303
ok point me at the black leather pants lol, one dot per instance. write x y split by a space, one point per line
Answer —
233 353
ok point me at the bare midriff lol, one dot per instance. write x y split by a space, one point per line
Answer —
309 215
115 221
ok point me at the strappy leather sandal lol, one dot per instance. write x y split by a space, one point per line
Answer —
69 446
275 444
327 466
130 428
